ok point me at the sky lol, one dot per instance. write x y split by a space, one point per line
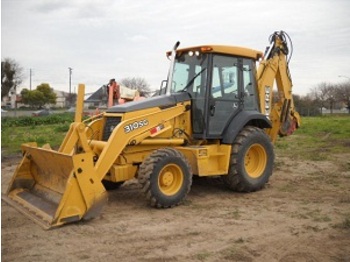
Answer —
108 39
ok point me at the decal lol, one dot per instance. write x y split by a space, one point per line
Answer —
135 125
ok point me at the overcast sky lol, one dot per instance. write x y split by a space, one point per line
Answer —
117 39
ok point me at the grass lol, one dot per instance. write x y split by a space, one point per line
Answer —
317 139
345 224
240 240
317 216
203 256
13 136
237 253
46 129
235 214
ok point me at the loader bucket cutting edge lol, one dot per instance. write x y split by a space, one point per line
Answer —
53 189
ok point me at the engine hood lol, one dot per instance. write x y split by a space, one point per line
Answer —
162 101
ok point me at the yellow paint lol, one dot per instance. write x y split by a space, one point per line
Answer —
170 179
208 160
223 49
255 160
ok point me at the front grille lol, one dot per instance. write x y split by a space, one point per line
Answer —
110 124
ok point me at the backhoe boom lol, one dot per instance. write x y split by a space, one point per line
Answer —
274 68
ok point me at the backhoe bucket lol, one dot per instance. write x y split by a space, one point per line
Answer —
53 188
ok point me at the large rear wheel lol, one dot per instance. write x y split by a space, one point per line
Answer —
251 162
166 177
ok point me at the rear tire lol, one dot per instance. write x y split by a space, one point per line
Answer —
166 177
251 161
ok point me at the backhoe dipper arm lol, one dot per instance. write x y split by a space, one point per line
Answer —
285 120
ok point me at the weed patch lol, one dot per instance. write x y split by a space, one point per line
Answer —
235 214
203 256
345 224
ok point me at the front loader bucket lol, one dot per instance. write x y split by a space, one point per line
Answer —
53 188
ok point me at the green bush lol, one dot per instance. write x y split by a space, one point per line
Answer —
62 128
36 121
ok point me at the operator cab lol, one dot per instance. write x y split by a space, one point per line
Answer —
221 83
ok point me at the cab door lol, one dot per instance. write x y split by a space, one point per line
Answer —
225 93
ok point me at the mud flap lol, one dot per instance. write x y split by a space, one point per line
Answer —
53 188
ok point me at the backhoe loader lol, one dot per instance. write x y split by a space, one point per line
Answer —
216 117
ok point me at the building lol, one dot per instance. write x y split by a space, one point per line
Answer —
97 99
61 98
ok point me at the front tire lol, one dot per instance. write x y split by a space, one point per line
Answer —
166 177
251 161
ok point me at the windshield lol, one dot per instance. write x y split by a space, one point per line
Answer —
190 72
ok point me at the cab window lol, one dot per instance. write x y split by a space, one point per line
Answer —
224 77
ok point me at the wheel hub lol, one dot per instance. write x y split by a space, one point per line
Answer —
167 179
255 160
170 179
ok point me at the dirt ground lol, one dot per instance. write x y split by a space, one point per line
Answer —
303 214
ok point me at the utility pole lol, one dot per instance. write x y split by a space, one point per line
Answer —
30 79
70 85
70 79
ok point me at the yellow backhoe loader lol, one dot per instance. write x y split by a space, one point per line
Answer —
215 116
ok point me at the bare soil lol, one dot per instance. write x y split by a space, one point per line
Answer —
303 214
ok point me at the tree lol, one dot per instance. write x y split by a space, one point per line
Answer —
11 76
49 95
136 83
306 105
42 95
343 94
325 94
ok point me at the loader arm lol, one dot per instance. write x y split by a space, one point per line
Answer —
58 187
285 120
122 135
